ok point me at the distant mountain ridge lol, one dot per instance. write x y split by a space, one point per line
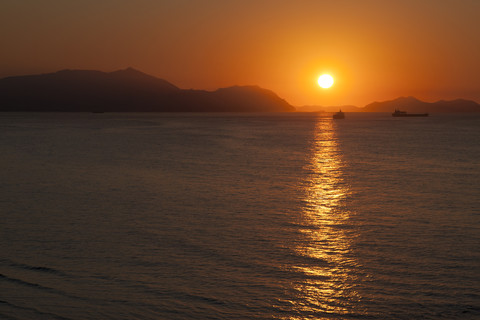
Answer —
409 104
127 90
413 105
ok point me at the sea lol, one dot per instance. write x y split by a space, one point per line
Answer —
239 216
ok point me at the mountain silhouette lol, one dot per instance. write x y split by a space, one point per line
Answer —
409 104
127 90
413 105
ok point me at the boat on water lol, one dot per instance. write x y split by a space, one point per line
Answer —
399 113
339 115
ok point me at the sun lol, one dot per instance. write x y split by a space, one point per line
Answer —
325 81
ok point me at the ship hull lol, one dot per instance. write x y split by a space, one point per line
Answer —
410 115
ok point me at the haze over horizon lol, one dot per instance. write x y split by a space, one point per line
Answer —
375 50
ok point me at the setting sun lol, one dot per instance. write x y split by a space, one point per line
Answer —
325 81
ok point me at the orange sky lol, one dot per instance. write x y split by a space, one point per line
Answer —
376 50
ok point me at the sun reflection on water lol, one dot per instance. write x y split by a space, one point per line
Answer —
326 283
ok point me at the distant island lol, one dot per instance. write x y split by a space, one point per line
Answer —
409 104
130 90
127 90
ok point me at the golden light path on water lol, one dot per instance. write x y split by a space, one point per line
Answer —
326 288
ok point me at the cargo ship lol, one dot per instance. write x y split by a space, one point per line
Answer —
399 113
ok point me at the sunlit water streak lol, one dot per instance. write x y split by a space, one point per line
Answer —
327 287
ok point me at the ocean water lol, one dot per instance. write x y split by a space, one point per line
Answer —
239 216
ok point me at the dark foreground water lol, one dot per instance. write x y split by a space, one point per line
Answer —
239 216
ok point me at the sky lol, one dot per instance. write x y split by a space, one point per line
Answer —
375 50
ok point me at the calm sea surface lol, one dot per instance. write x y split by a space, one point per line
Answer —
239 216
